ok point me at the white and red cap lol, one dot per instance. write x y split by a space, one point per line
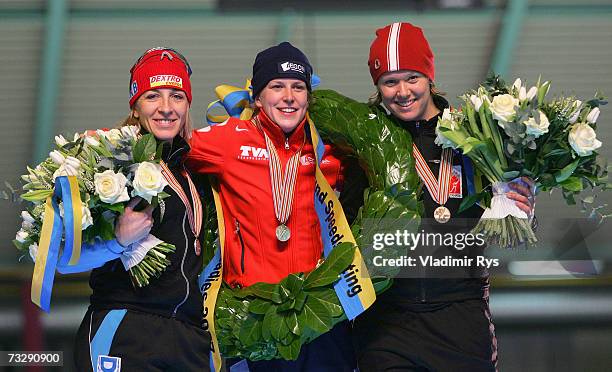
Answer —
400 46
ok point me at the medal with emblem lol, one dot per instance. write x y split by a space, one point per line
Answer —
437 188
283 185
442 214
283 233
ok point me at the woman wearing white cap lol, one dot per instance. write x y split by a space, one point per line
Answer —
429 320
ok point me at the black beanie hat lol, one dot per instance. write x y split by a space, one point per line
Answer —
283 61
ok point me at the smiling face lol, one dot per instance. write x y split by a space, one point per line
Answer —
285 101
407 94
163 112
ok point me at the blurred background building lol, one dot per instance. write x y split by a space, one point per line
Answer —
65 66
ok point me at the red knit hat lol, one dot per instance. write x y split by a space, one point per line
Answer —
400 46
159 68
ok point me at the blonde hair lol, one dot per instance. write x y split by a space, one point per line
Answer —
132 120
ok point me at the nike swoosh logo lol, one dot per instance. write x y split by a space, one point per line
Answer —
238 129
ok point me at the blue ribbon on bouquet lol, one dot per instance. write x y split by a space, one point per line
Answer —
67 190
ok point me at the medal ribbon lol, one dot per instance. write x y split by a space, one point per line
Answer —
438 189
355 297
193 214
282 191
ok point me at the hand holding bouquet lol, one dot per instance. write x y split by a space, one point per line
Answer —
512 131
104 169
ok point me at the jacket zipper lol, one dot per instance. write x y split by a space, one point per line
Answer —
241 246
418 142
286 143
183 268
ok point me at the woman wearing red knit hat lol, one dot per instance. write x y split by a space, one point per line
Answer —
156 327
431 319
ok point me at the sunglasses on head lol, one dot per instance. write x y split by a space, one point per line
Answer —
176 53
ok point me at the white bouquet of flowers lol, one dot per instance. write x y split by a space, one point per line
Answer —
512 131
101 171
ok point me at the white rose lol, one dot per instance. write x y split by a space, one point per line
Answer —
33 248
60 140
21 236
148 181
593 115
111 187
537 129
86 219
502 107
130 131
582 139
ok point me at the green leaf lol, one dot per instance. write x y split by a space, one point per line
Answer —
567 171
259 306
328 298
264 290
279 326
144 149
291 351
292 323
316 315
250 331
291 286
37 195
337 261
266 327
511 175
118 207
572 184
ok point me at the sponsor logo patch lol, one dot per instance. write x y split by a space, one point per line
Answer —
133 88
253 153
454 188
291 67
108 364
165 80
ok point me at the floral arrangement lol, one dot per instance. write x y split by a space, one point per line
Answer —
513 131
110 166
267 321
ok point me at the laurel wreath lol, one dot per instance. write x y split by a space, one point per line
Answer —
269 321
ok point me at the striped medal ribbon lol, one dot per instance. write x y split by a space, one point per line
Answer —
283 186
194 214
438 189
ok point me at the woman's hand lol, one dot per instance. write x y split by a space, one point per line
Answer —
131 225
523 195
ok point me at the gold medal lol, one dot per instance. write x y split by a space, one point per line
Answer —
283 233
442 214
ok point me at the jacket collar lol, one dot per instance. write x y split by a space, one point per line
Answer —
278 137
173 152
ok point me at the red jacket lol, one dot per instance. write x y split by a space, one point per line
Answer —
235 151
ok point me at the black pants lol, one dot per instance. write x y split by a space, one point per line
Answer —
330 352
138 341
456 336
